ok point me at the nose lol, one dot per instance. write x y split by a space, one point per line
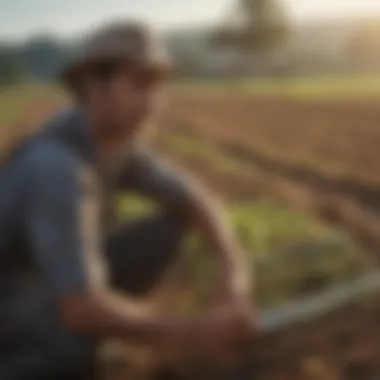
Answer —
150 102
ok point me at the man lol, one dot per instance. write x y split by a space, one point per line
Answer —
69 279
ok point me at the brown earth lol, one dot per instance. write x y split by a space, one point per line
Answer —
344 345
321 159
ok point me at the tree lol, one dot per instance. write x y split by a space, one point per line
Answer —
362 45
254 28
11 68
44 55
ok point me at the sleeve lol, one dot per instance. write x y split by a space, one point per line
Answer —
61 222
151 175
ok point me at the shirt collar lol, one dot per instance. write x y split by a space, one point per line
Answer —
71 127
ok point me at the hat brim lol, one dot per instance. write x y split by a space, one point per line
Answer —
159 67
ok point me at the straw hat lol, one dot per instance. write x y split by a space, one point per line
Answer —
130 40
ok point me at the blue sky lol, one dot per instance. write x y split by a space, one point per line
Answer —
20 18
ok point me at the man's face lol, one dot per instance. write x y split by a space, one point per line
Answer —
130 97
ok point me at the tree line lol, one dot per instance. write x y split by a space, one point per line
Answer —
38 59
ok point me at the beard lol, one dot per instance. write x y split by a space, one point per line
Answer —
124 127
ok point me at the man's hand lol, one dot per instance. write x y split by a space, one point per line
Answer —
230 301
233 294
217 335
207 336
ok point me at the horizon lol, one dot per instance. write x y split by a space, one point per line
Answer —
49 17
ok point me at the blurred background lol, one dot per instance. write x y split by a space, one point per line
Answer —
276 106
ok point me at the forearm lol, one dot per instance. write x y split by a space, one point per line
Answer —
211 222
181 194
105 315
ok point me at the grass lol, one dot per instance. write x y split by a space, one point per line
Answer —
342 87
265 226
290 254
291 251
15 101
306 88
204 149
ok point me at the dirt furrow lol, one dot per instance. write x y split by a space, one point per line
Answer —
343 202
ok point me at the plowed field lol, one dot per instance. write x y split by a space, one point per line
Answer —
320 158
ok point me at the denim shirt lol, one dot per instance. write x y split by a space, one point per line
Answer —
53 193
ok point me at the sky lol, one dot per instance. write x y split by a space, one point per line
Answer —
22 18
